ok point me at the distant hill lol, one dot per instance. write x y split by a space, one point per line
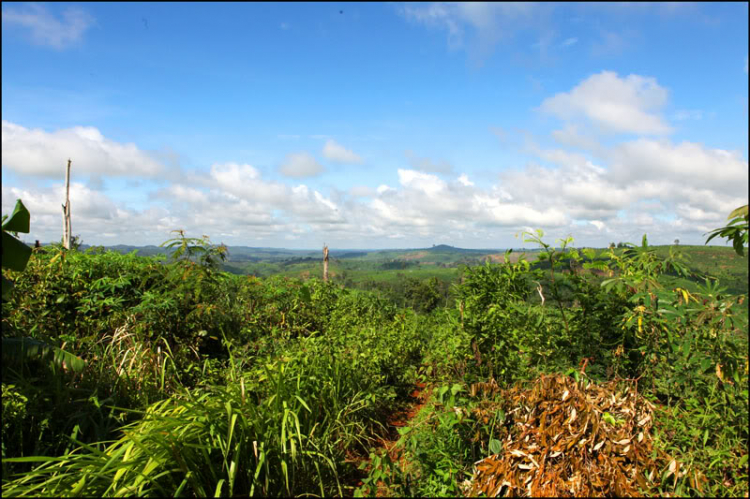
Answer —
444 248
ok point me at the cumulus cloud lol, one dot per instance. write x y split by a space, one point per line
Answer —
93 214
300 164
429 205
337 153
37 152
45 28
613 104
684 164
237 182
595 190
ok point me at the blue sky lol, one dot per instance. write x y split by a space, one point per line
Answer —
376 125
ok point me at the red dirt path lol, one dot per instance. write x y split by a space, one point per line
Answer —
396 420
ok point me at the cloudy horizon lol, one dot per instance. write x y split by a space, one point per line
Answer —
373 126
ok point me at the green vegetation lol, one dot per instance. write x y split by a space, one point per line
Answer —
198 381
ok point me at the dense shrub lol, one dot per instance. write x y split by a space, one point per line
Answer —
193 374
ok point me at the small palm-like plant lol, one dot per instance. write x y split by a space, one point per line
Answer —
736 230
15 257
15 253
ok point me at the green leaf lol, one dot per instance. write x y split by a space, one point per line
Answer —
23 349
442 391
608 418
495 446
15 253
19 219
303 403
737 212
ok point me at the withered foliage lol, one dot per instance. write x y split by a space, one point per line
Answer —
566 438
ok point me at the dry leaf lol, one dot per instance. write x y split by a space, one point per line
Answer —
539 425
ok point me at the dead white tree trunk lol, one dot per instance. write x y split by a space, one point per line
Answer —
66 210
325 263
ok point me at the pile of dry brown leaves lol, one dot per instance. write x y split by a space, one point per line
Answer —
571 438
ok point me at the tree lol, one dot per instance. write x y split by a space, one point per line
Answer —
676 242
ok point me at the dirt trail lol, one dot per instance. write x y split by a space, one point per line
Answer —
398 419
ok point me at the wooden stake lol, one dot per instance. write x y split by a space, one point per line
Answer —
66 210
325 263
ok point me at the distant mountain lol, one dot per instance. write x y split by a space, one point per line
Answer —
257 254
444 248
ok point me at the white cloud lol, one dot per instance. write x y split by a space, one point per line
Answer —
618 188
570 136
688 114
45 28
234 203
685 164
361 191
299 165
464 179
569 42
339 154
489 22
429 184
93 214
431 206
438 15
614 104
244 184
244 181
610 44
427 165
41 153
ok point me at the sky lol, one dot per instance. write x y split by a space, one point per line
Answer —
384 125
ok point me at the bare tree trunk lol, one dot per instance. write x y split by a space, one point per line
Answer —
325 263
66 210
